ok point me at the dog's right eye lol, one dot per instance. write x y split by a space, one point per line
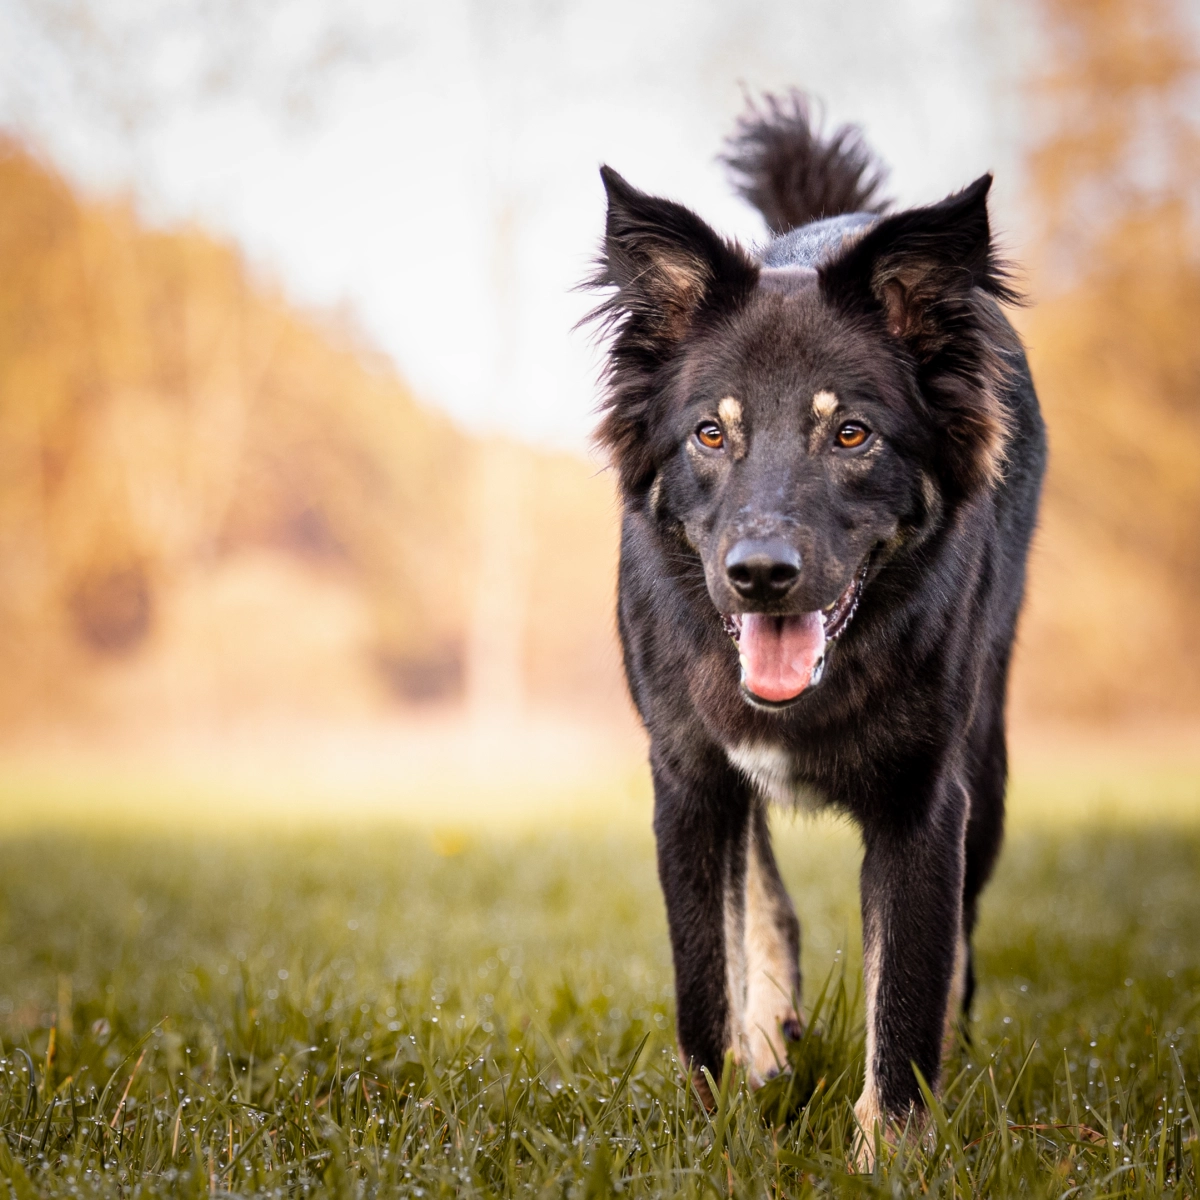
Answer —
708 433
852 435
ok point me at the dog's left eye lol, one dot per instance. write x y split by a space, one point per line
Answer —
708 433
852 435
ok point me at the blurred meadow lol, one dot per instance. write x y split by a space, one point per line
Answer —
325 862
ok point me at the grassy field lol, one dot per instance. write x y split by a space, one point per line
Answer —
378 1008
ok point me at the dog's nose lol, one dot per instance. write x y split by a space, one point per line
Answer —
762 569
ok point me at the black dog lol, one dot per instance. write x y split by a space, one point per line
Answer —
830 454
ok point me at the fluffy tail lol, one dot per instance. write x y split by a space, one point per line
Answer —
780 162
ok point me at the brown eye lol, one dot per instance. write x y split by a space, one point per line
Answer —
709 434
852 435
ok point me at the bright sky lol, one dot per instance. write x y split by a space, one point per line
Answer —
432 167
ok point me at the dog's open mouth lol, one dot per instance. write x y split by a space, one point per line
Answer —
782 656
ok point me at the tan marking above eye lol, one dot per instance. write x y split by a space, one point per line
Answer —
708 433
824 403
852 435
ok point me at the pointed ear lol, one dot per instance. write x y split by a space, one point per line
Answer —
668 266
668 273
927 275
920 264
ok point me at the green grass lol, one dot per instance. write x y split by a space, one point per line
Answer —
381 1010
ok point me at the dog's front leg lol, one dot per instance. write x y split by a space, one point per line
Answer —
772 941
702 829
912 880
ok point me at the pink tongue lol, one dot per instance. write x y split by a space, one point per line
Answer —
779 653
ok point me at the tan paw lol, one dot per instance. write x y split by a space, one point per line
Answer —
869 1118
766 1053
875 1126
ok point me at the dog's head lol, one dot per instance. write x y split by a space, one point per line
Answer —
796 426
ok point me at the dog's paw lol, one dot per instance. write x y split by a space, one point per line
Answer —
765 1054
871 1121
875 1128
700 1083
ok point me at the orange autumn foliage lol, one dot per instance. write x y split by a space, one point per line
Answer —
207 487
1111 628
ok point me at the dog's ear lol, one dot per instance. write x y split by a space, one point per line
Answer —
918 265
668 266
926 274
669 273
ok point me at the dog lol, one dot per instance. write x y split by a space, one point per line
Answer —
829 453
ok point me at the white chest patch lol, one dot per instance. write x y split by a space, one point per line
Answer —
769 769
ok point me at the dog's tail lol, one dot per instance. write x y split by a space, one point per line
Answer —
779 160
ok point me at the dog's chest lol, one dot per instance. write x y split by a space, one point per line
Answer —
771 771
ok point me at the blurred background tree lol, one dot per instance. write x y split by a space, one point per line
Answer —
1115 340
176 439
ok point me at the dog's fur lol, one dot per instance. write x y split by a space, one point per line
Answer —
848 319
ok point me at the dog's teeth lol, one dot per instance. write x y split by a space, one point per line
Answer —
817 671
744 662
